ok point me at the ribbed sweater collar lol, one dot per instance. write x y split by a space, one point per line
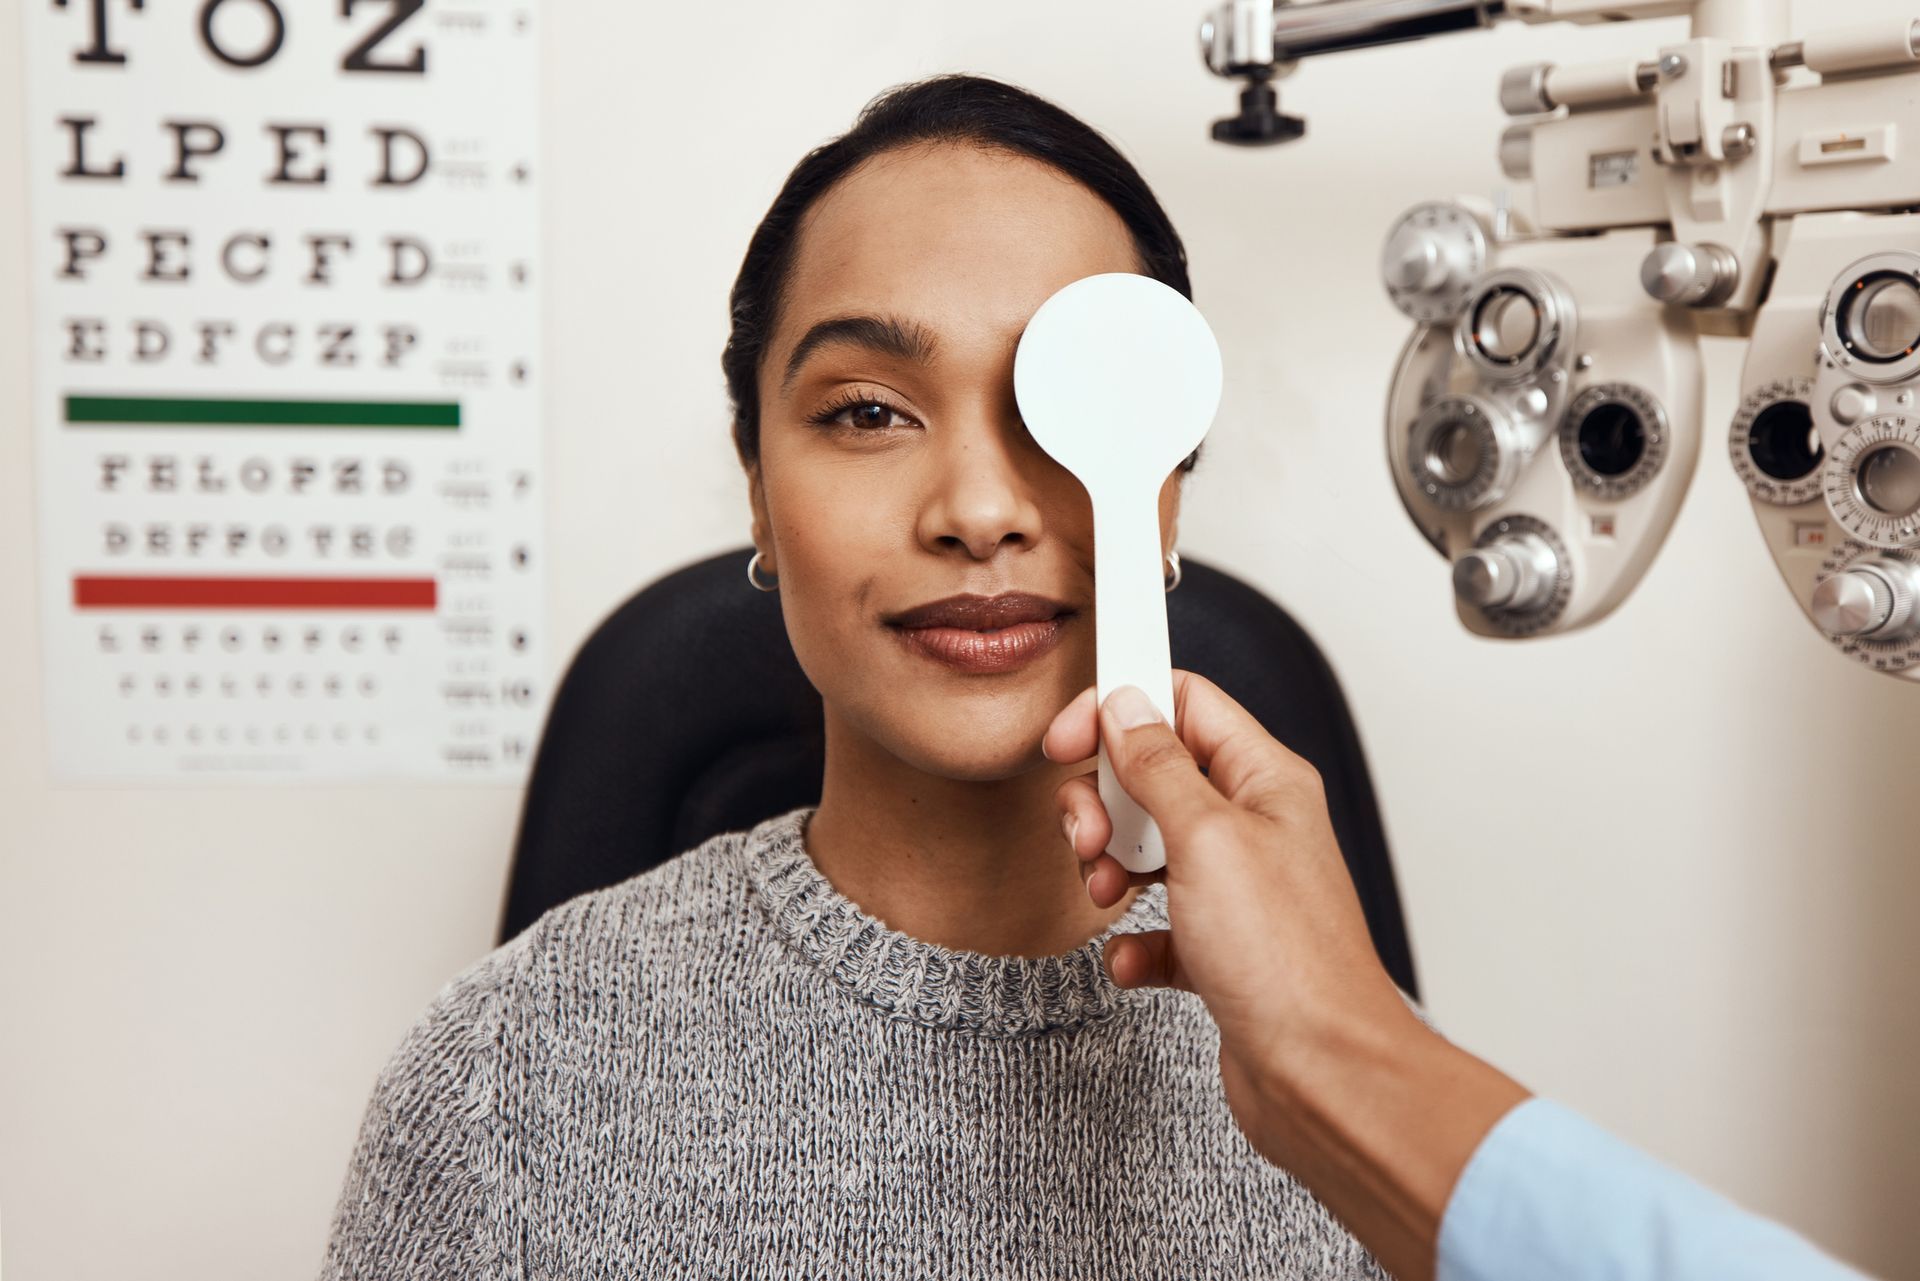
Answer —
922 982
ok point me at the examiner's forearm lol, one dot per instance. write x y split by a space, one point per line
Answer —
1443 1167
1378 1119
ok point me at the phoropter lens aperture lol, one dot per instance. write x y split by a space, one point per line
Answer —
1612 438
1878 319
1782 441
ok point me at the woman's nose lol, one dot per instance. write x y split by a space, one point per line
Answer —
981 496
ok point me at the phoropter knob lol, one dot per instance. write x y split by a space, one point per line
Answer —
1702 275
1420 260
1515 573
1872 598
1431 258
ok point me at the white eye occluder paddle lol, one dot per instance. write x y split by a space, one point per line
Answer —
1118 378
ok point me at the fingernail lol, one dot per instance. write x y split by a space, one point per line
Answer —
1070 824
1131 707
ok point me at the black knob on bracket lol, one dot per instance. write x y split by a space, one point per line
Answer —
1260 122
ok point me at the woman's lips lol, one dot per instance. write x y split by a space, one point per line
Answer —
975 652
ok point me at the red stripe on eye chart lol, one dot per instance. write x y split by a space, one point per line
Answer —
91 592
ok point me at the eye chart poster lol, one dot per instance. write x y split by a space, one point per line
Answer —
285 407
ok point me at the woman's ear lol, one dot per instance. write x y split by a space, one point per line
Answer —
762 527
1170 507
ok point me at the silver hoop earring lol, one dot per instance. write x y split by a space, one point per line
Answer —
753 577
1173 559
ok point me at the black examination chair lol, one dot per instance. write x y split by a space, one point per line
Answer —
685 714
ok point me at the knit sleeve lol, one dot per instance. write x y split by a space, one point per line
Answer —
425 1193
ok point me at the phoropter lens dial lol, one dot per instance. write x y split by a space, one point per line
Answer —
1870 323
1872 481
1774 446
1463 452
1515 321
1613 439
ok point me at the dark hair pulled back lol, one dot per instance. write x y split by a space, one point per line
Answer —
948 108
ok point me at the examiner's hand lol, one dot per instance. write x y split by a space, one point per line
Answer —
1267 928
1328 1072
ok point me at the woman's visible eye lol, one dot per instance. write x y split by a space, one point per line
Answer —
859 414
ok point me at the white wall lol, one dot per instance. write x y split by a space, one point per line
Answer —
1664 870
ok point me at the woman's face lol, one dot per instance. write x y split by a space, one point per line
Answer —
894 469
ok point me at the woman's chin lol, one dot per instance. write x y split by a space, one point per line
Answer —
974 755
969 729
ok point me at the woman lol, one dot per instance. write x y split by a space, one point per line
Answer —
873 1036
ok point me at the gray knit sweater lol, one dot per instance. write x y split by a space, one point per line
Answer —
724 1068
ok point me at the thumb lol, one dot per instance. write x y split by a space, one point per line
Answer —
1152 764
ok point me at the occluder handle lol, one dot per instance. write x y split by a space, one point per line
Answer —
1131 639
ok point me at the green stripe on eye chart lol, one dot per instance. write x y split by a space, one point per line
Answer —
224 412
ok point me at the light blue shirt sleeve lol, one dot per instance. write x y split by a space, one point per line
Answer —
1548 1194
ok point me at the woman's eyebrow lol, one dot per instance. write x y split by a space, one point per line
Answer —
903 340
